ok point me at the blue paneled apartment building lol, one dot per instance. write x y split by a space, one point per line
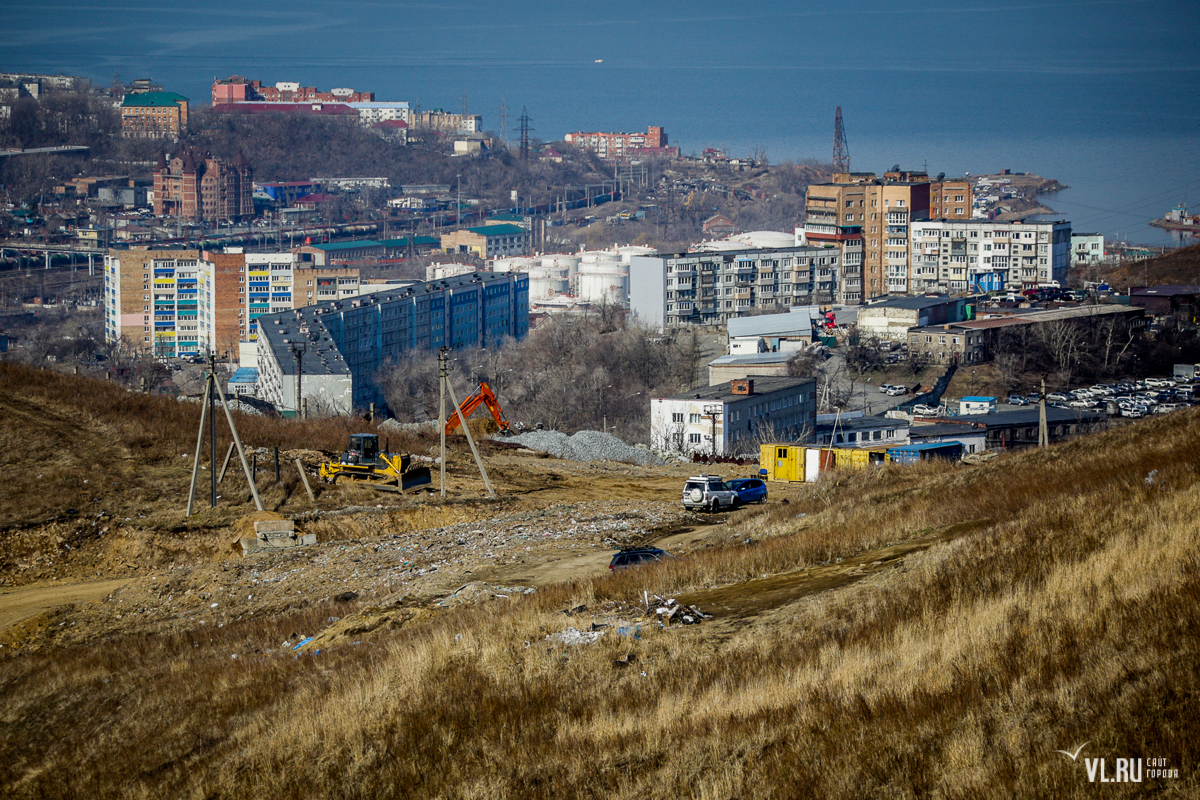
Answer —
339 346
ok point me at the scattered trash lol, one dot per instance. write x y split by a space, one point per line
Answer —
304 642
572 636
575 610
672 611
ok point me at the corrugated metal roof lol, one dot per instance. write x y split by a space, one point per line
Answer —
797 322
347 245
754 358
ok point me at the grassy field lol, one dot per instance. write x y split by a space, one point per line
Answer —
1045 599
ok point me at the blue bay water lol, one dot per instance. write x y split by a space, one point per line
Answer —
1101 96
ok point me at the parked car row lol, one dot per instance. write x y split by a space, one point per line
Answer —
893 389
710 493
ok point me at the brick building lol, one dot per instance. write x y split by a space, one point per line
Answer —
874 214
154 115
237 89
620 146
195 185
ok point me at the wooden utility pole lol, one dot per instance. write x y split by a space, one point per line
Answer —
213 390
1043 431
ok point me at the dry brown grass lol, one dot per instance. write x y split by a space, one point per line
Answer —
1063 607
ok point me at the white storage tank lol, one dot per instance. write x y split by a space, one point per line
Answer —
604 281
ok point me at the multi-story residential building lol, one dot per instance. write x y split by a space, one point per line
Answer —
983 255
195 185
339 347
195 301
488 241
444 121
371 113
154 115
620 146
241 90
710 288
736 417
1087 248
865 214
152 301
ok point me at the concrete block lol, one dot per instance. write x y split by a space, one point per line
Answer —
308 538
274 526
288 541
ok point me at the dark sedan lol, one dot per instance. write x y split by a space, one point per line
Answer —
748 490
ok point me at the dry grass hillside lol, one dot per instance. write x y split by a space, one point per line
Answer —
926 631
1180 266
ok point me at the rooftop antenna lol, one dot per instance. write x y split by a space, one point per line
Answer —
841 152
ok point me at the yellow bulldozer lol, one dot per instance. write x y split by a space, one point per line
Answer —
365 461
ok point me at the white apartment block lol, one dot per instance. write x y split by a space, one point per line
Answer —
981 255
1087 248
670 291
371 113
735 417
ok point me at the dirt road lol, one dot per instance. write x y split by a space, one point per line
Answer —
28 601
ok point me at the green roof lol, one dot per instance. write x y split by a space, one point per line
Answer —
153 99
498 230
357 243
417 240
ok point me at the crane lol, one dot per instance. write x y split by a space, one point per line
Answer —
481 396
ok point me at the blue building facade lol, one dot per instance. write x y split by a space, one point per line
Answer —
475 310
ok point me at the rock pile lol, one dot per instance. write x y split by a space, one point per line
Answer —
584 446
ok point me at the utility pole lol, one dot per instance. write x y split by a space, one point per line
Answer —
442 414
298 349
525 129
1043 432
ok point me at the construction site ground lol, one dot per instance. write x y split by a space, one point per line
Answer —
71 579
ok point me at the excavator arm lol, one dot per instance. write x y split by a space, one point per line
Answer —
481 396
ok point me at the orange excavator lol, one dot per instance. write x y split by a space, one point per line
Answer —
481 396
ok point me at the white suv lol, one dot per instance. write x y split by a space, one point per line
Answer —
708 492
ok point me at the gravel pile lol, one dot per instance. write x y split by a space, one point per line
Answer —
429 426
584 446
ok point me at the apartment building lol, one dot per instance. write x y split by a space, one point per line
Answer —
983 255
154 115
173 303
870 217
444 121
619 146
340 346
196 185
710 288
1087 248
734 417
152 301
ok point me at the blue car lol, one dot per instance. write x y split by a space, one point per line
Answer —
748 490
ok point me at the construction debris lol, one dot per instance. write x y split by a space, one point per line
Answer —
574 636
271 534
672 611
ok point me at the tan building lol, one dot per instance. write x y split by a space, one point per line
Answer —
154 115
488 241
860 207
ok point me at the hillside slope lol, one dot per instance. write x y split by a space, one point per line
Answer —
1180 266
933 630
